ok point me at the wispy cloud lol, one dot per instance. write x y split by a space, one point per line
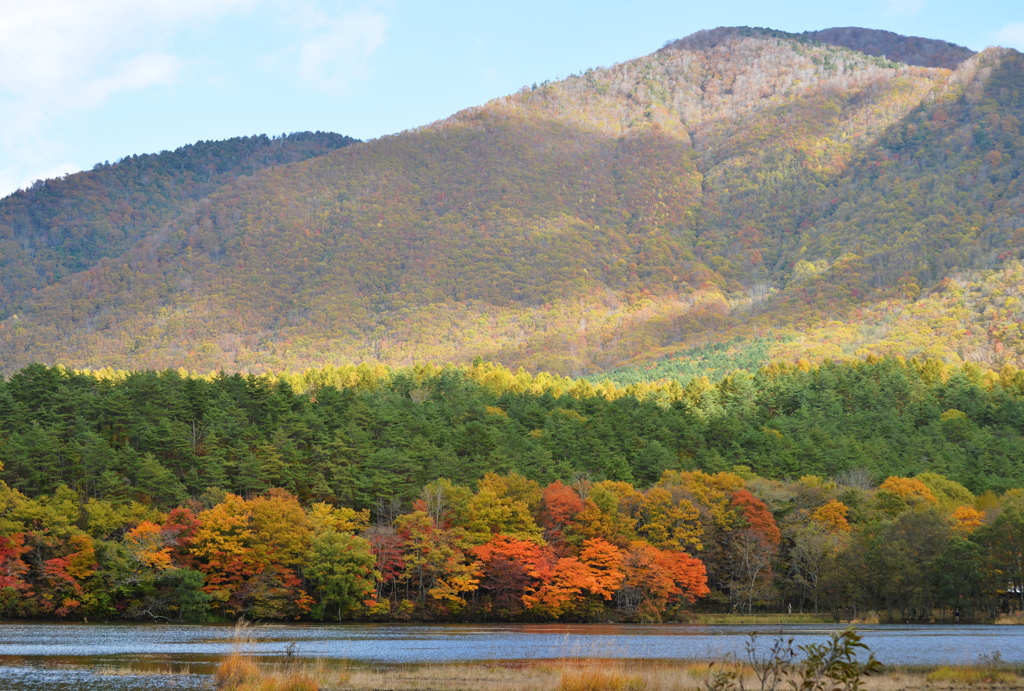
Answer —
60 58
66 53
1011 36
12 179
340 46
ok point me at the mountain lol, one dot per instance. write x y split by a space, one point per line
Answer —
61 226
736 184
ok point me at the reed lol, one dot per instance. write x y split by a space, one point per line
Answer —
601 677
627 675
239 671
148 671
971 675
990 668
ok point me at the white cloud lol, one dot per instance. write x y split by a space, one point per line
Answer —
1011 36
339 50
903 8
59 58
135 73
13 179
52 52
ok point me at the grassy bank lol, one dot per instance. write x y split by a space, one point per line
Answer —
842 662
593 675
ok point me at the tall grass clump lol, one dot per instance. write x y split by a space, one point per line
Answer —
238 671
595 677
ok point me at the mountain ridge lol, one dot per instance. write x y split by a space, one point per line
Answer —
689 196
127 199
910 50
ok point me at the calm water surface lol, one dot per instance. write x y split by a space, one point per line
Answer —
136 657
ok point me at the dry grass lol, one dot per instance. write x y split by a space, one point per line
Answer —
447 677
239 670
972 675
235 670
242 673
625 675
595 679
149 671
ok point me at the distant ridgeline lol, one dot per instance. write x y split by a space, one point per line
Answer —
62 226
355 434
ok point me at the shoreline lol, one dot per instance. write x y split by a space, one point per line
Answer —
694 620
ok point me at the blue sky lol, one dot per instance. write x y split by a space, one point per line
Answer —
83 81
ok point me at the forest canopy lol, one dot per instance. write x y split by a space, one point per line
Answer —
351 435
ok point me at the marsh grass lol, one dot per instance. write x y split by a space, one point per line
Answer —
239 670
581 670
610 675
598 675
1011 619
478 676
150 671
972 675
989 669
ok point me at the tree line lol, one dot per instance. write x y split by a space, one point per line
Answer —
512 549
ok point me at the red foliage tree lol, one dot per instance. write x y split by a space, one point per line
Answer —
13 570
558 506
756 516
510 569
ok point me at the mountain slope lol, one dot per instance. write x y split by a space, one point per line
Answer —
734 182
62 226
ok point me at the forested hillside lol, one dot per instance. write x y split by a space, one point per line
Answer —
739 183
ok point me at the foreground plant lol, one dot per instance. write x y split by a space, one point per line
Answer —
830 666
238 671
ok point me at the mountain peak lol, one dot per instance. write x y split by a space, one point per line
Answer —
910 50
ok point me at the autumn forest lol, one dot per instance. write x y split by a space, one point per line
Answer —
478 492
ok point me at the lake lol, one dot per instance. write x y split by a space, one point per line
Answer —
96 657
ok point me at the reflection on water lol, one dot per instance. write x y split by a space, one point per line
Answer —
138 657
